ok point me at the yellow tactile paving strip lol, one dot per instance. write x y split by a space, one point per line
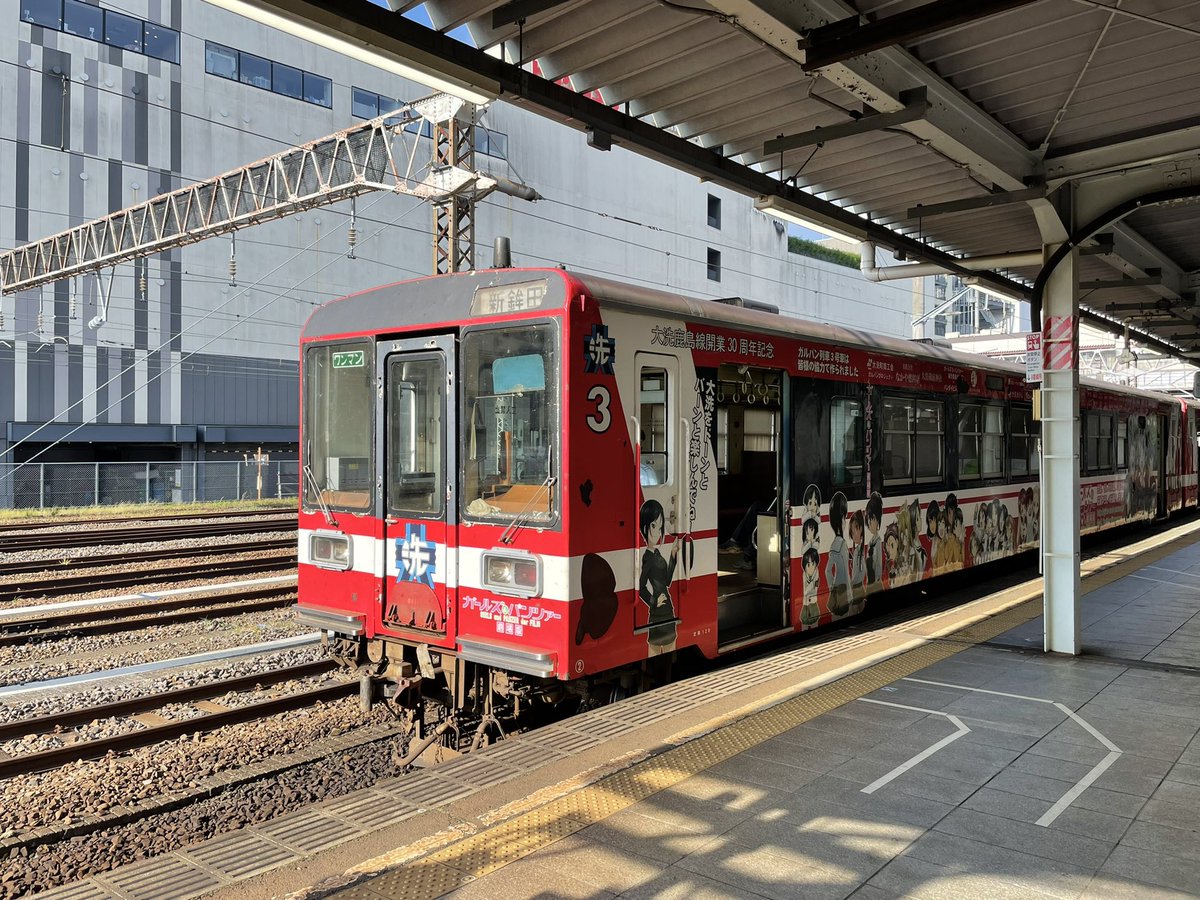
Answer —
479 854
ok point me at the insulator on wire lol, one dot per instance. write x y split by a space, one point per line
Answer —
233 260
1 319
142 286
73 308
352 233
41 321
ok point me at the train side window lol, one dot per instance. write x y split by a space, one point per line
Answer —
1122 441
969 428
1023 460
1098 441
652 406
897 440
929 440
846 440
980 441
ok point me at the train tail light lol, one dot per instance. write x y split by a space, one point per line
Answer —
329 551
519 574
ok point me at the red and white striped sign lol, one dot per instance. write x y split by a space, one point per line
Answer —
1059 343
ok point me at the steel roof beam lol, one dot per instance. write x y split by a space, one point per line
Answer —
1163 144
849 37
915 107
953 126
519 10
1147 281
1001 198
1136 257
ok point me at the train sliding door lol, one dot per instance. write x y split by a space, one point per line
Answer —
752 487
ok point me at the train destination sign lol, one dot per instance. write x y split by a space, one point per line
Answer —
508 298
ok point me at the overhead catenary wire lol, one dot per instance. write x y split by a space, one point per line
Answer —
8 450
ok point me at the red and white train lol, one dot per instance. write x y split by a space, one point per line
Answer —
520 484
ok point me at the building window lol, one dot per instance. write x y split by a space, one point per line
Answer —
162 43
287 81
83 19
714 211
714 264
220 61
47 13
254 71
122 31
116 29
318 90
364 104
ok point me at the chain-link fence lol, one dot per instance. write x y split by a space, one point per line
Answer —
42 485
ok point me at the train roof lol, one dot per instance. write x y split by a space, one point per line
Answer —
442 299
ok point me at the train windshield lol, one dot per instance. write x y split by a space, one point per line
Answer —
339 415
509 421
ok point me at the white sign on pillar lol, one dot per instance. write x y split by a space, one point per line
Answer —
1033 357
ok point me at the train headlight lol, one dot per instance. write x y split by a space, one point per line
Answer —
329 551
519 574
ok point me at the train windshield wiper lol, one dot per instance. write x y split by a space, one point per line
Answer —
510 533
317 492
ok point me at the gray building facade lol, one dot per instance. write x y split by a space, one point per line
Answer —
107 104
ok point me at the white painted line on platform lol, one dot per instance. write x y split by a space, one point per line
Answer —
1157 580
10 612
1085 782
924 754
300 640
1172 571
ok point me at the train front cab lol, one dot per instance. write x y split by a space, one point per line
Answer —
432 531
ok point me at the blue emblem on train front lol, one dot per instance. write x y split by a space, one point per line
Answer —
416 558
600 351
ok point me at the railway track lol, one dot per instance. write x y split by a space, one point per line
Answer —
115 619
29 763
82 535
35 524
59 586
24 567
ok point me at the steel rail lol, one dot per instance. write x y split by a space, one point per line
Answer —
48 723
79 537
111 620
23 567
51 759
6 527
59 587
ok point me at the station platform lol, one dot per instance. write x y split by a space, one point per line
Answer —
934 754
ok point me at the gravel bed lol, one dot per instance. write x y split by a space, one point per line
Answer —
25 663
235 541
98 787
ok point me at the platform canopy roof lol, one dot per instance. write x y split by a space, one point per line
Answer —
942 129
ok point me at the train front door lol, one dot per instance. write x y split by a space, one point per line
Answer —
417 483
